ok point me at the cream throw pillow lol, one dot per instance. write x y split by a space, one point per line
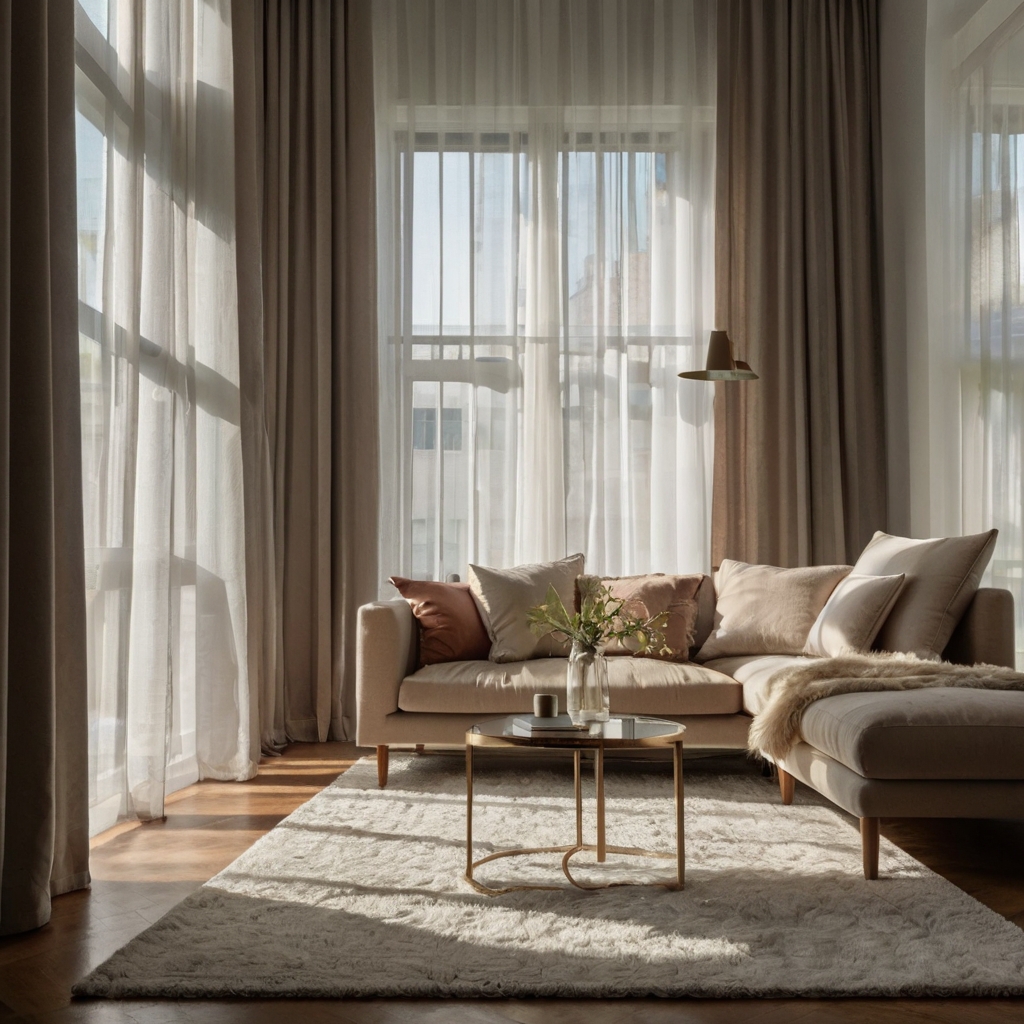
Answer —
763 609
504 596
853 615
942 575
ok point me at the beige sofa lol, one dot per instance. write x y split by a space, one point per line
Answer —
399 706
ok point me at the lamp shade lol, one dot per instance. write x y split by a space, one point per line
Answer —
721 365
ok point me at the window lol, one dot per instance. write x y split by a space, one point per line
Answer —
424 429
545 274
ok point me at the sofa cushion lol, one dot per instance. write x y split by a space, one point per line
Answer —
762 609
936 733
853 615
942 576
504 596
450 627
752 672
641 686
645 597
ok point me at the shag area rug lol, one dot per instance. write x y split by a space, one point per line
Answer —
360 892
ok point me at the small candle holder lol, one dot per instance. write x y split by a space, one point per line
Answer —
545 705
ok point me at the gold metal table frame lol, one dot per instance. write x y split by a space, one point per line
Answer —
598 742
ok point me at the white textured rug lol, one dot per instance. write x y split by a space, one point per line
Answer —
360 892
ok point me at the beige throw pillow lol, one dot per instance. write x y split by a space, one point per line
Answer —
504 596
853 615
763 609
942 575
647 596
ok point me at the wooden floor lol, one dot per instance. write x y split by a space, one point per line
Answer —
141 871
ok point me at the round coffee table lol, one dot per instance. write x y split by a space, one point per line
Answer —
620 732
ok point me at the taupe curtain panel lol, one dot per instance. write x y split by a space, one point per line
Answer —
799 454
320 354
44 824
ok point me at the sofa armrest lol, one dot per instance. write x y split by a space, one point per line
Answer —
385 655
986 632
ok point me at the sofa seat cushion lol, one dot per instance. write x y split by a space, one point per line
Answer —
640 686
935 733
753 671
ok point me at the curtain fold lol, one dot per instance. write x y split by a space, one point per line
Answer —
799 454
44 821
320 359
545 202
263 620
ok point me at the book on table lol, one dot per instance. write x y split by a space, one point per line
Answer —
621 727
559 726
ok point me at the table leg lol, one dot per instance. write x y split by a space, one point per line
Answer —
599 779
677 774
579 797
469 811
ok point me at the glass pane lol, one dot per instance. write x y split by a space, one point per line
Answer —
493 283
423 498
91 149
426 244
457 251
97 12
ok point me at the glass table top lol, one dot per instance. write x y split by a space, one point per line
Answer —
618 729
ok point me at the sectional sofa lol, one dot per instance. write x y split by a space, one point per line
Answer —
956 753
398 705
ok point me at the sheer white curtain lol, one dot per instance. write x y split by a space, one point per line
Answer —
977 296
545 220
168 681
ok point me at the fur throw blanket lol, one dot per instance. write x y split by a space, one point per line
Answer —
776 728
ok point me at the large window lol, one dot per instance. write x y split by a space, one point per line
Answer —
168 698
545 273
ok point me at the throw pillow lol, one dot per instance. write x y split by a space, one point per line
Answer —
504 596
449 623
942 575
763 609
646 596
853 615
705 615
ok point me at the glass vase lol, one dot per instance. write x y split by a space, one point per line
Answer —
586 687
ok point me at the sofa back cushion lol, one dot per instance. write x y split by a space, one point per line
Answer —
762 609
504 596
853 615
449 623
654 594
942 576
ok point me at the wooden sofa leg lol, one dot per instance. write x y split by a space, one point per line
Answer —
382 766
786 785
419 748
869 846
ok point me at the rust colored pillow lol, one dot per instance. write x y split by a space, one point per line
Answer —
450 626
651 595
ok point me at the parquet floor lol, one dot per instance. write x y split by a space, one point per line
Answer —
141 871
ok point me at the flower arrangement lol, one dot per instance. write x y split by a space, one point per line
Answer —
601 619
